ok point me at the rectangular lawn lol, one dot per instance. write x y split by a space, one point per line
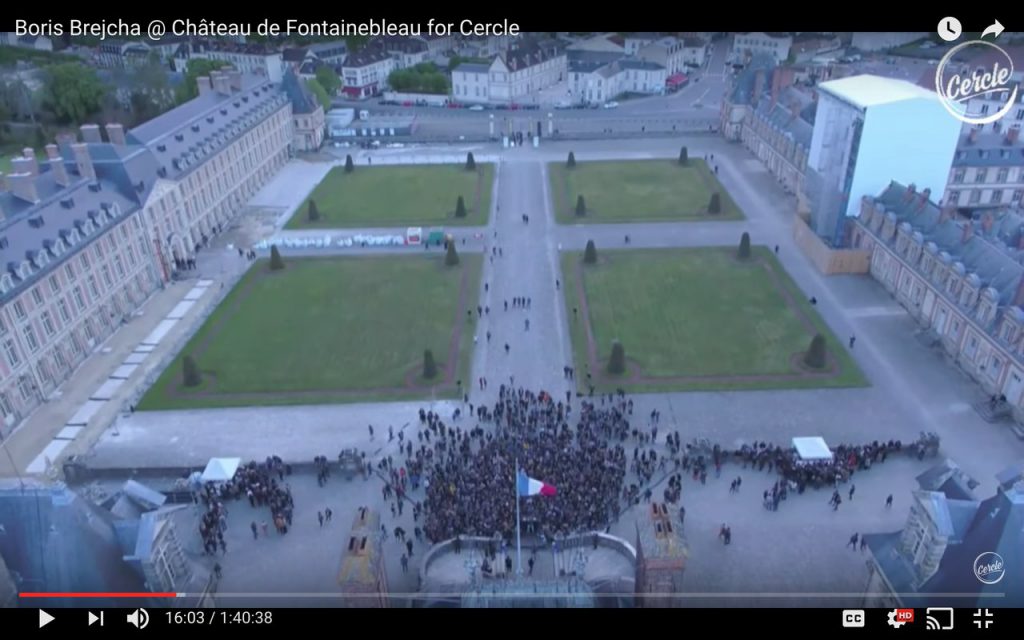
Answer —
399 196
329 330
638 191
697 319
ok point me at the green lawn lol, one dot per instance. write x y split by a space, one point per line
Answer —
698 316
325 331
399 196
638 191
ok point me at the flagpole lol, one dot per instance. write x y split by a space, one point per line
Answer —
519 541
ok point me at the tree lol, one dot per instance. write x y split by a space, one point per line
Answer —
193 377
429 366
451 258
815 356
276 263
197 67
744 252
460 208
314 213
581 206
143 106
349 165
617 361
328 79
73 92
571 162
684 156
590 253
470 162
320 93
715 206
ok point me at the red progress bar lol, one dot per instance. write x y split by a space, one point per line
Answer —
76 594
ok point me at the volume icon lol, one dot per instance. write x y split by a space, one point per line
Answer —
139 618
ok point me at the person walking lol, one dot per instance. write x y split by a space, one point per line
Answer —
853 541
408 545
405 563
320 518
853 488
888 501
852 340
255 530
327 514
370 428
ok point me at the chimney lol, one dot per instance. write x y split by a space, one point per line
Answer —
52 152
64 141
115 134
1012 134
758 86
204 85
968 232
60 172
986 222
926 195
946 213
908 195
21 164
1018 297
91 133
236 79
23 185
83 161
972 137
221 83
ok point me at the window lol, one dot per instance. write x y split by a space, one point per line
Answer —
1019 115
995 367
62 309
19 310
1001 175
76 348
119 265
37 296
997 196
984 109
106 277
975 197
70 272
54 285
11 352
5 405
972 347
48 324
30 338
58 357
25 388
93 289
79 299
85 261
1008 332
954 197
1017 195
98 250
980 175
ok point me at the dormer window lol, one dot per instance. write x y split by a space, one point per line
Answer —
24 270
180 137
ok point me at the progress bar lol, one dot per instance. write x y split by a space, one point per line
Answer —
93 594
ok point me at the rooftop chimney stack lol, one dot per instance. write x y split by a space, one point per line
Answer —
23 185
115 134
21 164
204 85
968 231
91 133
83 161
60 172
235 76
221 83
52 152
64 141
30 154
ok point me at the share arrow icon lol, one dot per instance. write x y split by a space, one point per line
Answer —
995 29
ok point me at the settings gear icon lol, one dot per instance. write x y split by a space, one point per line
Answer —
893 622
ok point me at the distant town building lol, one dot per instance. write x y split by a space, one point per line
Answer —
36 43
673 54
882 40
255 59
806 49
948 535
515 76
634 42
365 73
749 45
988 169
868 129
600 83
406 52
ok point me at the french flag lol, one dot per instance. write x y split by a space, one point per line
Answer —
527 486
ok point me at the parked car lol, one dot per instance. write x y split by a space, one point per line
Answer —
611 105
477 107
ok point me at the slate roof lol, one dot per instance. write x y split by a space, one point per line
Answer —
473 67
780 115
294 54
366 57
746 80
296 90
988 150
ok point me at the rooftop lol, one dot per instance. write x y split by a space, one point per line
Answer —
865 91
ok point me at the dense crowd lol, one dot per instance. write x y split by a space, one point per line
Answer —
470 474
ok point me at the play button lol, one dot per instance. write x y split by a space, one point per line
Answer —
44 618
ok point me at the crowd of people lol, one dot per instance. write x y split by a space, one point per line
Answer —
262 483
470 488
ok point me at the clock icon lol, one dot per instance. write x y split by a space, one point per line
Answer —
950 29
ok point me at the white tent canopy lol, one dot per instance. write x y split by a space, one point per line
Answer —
221 469
812 449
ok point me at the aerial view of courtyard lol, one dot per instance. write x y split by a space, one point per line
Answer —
610 351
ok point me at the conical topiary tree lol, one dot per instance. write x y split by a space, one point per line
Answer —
276 263
429 366
590 253
451 258
314 213
744 251
684 156
192 376
470 162
581 206
571 162
715 205
617 361
349 165
815 356
460 208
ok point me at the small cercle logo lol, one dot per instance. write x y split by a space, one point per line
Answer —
989 567
957 83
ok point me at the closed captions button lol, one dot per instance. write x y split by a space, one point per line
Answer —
853 618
